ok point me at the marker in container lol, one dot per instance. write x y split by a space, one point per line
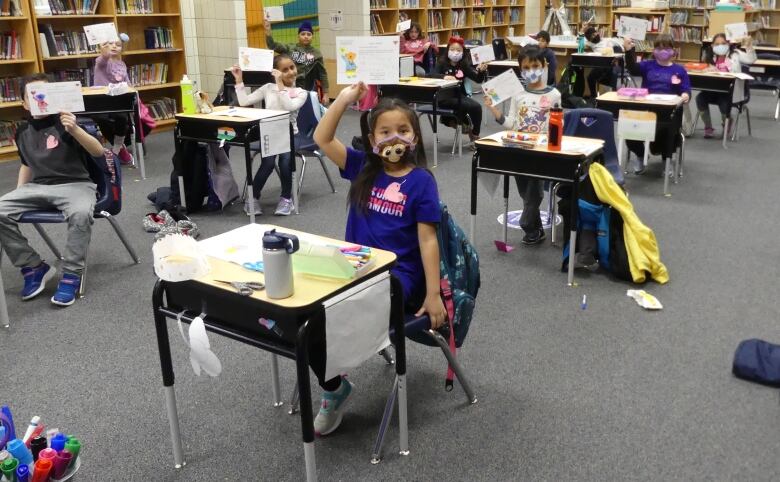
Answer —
8 467
36 445
61 463
20 451
43 469
23 473
58 442
73 445
48 454
30 428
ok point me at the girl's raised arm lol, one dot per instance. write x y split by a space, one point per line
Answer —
325 134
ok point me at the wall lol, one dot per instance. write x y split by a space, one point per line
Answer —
356 23
533 16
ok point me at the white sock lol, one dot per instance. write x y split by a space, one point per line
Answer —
119 142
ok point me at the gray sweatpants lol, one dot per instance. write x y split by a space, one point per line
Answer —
76 200
532 192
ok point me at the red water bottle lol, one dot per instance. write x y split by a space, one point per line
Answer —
555 129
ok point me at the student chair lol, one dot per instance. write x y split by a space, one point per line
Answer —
742 108
106 173
766 83
427 110
308 119
499 49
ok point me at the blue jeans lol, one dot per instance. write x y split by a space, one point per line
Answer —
265 170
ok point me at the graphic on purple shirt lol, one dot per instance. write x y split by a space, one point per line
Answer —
395 207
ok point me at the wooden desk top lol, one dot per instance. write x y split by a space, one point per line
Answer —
267 113
505 63
101 90
308 289
428 83
597 54
494 140
614 97
763 48
767 63
702 73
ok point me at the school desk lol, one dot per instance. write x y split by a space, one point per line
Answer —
236 317
205 128
762 49
770 68
252 79
498 67
424 91
540 163
595 60
720 82
97 101
663 109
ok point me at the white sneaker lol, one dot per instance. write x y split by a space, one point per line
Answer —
332 408
258 209
285 207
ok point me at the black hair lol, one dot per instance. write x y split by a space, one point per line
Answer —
360 191
531 53
709 54
36 77
419 31
279 57
590 32
544 35
664 41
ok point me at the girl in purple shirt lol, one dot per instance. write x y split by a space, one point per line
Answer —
659 76
110 69
393 205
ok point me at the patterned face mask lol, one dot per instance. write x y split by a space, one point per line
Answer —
394 148
532 76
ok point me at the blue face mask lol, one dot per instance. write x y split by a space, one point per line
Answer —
532 76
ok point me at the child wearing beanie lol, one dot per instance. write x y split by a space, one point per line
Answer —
308 60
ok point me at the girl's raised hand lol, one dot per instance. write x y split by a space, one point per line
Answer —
488 101
277 75
482 67
352 94
747 42
105 48
237 74
628 43
434 307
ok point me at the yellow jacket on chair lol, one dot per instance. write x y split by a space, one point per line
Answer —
641 246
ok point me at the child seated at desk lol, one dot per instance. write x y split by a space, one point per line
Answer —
530 112
393 205
543 37
308 60
110 69
604 75
413 42
659 76
53 150
723 57
282 95
456 67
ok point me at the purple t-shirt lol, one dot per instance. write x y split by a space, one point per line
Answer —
395 207
659 79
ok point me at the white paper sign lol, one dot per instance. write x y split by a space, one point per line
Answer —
503 87
274 136
522 41
373 60
55 97
100 33
403 26
480 55
274 14
636 125
336 20
255 59
736 31
633 27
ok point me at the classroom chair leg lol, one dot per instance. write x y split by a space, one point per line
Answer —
48 241
121 235
387 415
275 374
747 117
693 124
726 126
456 367
554 211
294 401
296 193
403 417
141 158
572 249
735 129
311 461
387 356
173 420
777 105
680 158
325 170
667 174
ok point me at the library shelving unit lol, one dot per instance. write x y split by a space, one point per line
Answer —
659 20
164 13
599 11
18 26
688 25
483 20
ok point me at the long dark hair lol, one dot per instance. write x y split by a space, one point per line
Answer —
709 55
420 33
360 191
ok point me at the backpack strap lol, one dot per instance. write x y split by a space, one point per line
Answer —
449 305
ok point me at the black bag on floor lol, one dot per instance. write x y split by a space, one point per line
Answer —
191 160
758 361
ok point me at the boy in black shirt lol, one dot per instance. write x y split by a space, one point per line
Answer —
53 175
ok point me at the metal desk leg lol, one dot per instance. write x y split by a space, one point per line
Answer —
304 390
667 173
435 129
166 365
473 221
621 144
575 200
506 208
250 189
726 132
275 373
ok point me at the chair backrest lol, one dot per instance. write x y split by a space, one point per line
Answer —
105 172
499 49
595 124
307 119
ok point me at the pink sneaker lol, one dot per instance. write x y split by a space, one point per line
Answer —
709 132
125 158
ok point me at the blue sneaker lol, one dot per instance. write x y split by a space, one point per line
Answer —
67 290
35 280
332 408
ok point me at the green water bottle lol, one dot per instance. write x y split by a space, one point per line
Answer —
187 95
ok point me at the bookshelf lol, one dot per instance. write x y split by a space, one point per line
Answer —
484 20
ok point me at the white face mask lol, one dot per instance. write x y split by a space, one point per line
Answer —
721 49
454 55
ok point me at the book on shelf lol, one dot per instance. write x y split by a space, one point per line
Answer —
409 4
458 3
162 108
515 15
10 8
686 34
55 44
11 89
148 74
435 3
434 38
8 132
158 38
376 24
621 3
65 7
134 6
459 18
656 24
11 47
85 76
378 4
592 3
680 17
769 4
435 20
498 16
479 18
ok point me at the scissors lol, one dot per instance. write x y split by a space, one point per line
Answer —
244 288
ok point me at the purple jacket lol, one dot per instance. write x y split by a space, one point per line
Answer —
109 71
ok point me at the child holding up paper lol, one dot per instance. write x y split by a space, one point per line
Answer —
282 95
308 60
393 205
659 76
602 75
110 69
53 175
722 57
530 112
413 42
455 67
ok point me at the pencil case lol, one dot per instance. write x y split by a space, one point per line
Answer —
632 92
696 66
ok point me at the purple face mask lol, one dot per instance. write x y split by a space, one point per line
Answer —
393 148
663 55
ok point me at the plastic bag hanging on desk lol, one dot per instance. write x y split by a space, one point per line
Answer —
201 356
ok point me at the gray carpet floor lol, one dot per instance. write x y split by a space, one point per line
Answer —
609 393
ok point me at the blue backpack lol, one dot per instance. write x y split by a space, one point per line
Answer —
459 266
